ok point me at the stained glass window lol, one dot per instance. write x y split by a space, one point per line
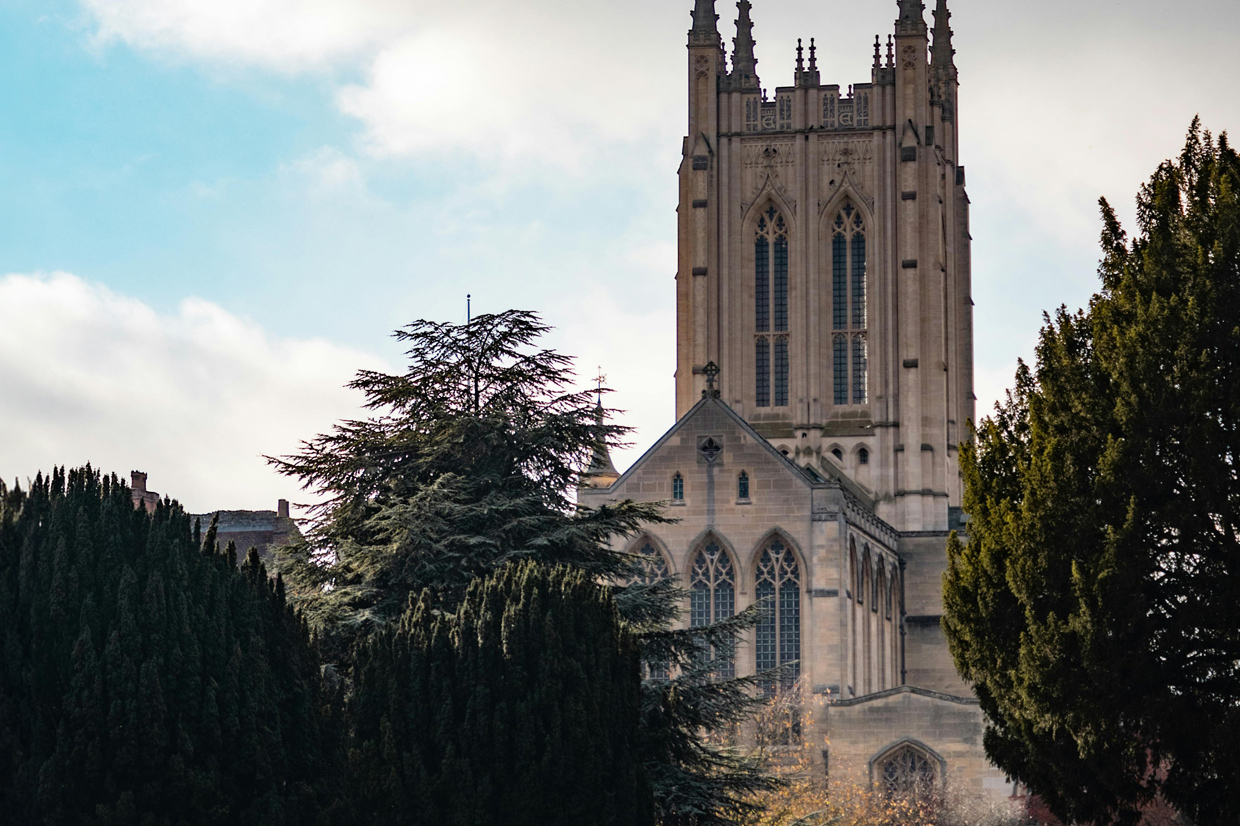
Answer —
839 366
762 358
653 567
761 279
778 637
742 486
771 285
781 371
849 309
839 281
712 597
858 279
907 774
860 368
781 282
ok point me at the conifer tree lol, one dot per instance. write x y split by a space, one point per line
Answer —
470 461
520 708
146 680
1094 604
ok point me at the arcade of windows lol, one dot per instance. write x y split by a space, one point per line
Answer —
770 255
712 598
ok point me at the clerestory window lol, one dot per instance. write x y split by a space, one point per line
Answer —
771 310
849 313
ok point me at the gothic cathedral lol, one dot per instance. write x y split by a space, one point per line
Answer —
824 377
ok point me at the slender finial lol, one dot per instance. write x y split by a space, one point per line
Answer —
941 53
877 49
800 57
704 17
744 64
469 309
813 56
891 52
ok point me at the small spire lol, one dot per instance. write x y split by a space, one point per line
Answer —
704 17
813 56
744 64
891 52
800 58
601 472
941 53
877 52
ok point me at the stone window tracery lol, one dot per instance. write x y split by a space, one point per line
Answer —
907 773
712 597
778 637
849 309
771 309
652 568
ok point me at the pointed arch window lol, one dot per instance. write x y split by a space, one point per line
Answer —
712 597
778 638
678 488
742 486
907 773
651 567
849 311
770 281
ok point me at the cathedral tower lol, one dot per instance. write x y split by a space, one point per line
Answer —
823 259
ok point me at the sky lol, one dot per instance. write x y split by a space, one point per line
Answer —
212 214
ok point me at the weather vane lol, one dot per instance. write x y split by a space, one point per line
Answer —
600 378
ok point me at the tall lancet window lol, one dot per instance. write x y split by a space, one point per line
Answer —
650 567
770 283
778 637
712 597
849 315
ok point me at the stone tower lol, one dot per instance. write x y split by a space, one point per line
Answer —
823 259
823 381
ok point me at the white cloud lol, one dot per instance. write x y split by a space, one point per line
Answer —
195 397
287 35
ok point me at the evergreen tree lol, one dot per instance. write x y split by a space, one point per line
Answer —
520 708
146 680
1094 604
470 461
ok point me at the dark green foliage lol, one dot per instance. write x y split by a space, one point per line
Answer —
145 680
520 708
470 462
1095 605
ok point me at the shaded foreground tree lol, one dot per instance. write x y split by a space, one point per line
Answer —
520 708
143 680
470 461
1094 606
